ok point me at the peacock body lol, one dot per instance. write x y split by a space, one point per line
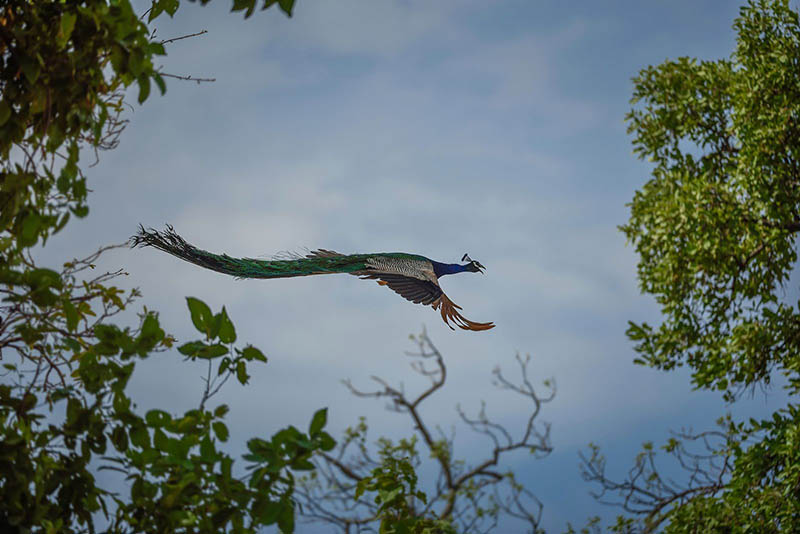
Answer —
414 277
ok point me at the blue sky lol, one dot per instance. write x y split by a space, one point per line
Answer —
437 128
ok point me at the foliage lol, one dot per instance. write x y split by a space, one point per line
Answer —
741 478
716 230
64 67
178 479
64 408
470 497
715 226
395 486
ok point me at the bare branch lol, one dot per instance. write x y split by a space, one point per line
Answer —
646 493
473 497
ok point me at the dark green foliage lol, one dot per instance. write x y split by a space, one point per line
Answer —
394 485
763 492
178 478
64 407
716 232
715 226
64 67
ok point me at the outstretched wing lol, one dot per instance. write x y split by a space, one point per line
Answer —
413 289
418 291
427 293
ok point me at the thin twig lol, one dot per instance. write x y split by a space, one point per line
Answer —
188 78
167 41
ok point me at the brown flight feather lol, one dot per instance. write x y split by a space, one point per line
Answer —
450 313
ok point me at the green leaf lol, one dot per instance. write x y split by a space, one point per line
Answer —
155 10
162 86
28 402
286 516
80 211
144 87
241 372
191 348
212 351
286 5
160 440
151 329
157 49
268 512
157 418
66 27
318 421
227 333
171 6
258 446
120 439
121 404
42 278
207 450
240 5
326 443
201 314
140 437
30 68
251 353
29 232
161 6
71 315
5 112
220 430
302 465
216 323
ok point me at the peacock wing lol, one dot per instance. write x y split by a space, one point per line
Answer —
413 289
428 293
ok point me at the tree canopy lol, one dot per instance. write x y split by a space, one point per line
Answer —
64 409
715 228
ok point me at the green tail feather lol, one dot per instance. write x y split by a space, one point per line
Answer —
317 263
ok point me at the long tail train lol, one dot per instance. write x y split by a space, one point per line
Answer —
172 243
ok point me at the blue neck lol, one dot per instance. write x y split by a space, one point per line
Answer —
441 269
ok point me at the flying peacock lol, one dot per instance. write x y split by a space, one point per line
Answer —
413 277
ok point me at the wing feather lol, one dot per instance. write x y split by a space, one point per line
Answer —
449 311
427 293
413 289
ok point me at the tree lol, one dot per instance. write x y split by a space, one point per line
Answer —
356 486
716 229
64 410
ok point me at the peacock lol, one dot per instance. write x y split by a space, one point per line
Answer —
413 277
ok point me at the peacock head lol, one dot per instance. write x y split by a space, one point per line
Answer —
473 266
